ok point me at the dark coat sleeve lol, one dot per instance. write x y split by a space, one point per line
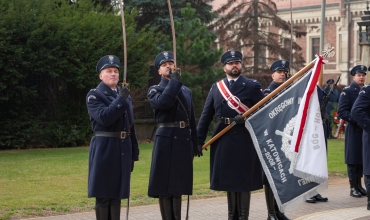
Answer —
164 100
103 114
206 117
344 106
361 109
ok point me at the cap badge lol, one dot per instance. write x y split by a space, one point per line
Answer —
232 53
111 59
165 54
283 63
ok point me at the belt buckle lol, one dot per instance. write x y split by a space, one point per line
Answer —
182 124
227 121
122 135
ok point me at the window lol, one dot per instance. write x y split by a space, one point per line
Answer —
315 47
287 44
262 55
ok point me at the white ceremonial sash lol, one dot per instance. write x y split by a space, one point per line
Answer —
232 101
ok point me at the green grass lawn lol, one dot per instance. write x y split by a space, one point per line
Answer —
39 181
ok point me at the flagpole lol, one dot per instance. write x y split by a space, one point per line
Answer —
322 36
291 33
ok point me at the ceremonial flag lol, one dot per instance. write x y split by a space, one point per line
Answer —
292 118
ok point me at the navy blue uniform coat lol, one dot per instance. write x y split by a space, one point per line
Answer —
273 85
109 157
353 132
234 164
171 171
361 113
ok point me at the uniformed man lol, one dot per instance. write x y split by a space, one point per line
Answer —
353 132
361 113
333 98
113 147
175 144
279 69
234 164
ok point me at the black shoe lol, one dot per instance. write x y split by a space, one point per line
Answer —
353 190
355 193
319 198
360 189
311 200
281 216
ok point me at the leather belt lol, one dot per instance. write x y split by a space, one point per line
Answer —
119 134
180 124
226 120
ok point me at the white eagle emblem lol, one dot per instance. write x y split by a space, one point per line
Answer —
232 53
111 59
165 54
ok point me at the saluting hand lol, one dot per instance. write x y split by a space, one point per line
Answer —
175 74
123 91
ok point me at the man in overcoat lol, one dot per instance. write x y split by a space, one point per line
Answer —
175 144
113 147
234 164
333 98
353 132
361 113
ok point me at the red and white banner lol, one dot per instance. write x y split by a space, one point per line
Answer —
308 141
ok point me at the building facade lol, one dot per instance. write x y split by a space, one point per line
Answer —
341 31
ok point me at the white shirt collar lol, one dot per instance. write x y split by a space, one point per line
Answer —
232 79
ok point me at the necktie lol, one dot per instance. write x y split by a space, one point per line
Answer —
231 82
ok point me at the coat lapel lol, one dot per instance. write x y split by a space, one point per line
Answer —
238 85
111 95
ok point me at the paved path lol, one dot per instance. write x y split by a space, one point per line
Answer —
340 206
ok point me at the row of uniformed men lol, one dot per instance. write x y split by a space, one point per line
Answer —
234 164
354 108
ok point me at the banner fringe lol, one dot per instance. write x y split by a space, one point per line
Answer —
309 177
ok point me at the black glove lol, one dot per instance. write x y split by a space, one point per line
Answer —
123 91
199 152
239 119
175 74
132 165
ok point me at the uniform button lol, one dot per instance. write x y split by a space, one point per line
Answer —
175 137
123 140
123 154
187 139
